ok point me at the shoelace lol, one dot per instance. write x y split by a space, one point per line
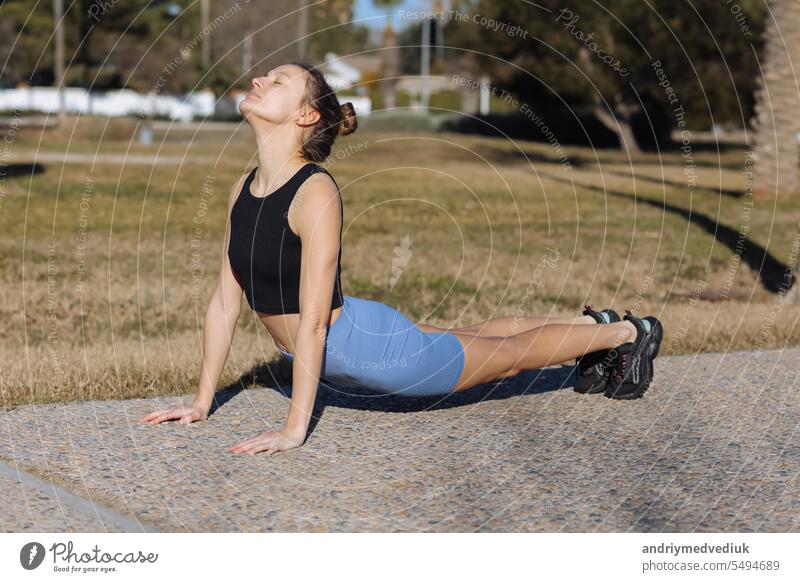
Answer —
621 368
623 363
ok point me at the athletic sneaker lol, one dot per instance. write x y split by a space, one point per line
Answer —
633 366
594 368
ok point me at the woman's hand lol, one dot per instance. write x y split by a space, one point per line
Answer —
183 414
270 442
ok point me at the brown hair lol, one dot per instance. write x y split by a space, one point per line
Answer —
335 119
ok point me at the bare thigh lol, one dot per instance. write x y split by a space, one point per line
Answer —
486 359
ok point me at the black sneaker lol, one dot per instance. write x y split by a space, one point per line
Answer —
633 367
594 368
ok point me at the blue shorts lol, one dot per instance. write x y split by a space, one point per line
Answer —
375 346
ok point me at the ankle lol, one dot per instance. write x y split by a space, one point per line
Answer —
628 332
633 330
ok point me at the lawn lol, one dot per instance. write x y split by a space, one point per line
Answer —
108 268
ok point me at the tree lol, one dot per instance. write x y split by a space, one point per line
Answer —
600 56
333 30
776 121
104 42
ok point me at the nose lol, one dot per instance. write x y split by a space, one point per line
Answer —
256 83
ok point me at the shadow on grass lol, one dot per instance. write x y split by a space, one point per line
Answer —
503 156
661 181
277 375
500 155
774 275
17 170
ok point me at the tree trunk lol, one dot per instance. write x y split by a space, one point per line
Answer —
620 125
775 123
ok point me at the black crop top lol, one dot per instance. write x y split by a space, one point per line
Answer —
264 252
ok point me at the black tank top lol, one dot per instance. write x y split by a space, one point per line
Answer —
264 252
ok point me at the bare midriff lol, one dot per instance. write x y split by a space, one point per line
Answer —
283 327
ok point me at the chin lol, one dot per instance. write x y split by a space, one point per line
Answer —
250 111
245 108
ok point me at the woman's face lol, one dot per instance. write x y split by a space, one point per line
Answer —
276 97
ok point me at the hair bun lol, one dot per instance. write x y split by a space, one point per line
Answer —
349 121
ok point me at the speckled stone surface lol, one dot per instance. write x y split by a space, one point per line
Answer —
28 509
713 446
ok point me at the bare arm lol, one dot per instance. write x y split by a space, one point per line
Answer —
220 321
317 216
319 225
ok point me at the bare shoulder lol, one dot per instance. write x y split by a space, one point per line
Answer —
317 194
320 183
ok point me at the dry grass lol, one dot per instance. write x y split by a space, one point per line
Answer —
482 218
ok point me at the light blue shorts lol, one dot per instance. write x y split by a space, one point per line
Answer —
375 346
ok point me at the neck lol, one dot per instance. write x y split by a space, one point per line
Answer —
278 156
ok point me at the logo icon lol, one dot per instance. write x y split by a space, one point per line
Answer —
31 555
402 255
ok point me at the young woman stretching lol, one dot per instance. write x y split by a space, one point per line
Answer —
284 253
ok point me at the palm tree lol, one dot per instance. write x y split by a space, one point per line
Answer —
387 5
389 56
776 120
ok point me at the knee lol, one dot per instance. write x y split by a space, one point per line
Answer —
514 351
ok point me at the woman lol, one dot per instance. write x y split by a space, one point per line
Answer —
284 253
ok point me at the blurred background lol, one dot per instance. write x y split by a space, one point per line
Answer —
512 158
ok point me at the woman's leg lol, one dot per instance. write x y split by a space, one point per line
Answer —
492 358
509 325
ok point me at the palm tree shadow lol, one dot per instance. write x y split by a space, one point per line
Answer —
774 275
277 375
660 181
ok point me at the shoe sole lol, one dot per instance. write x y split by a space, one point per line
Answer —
653 348
590 387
